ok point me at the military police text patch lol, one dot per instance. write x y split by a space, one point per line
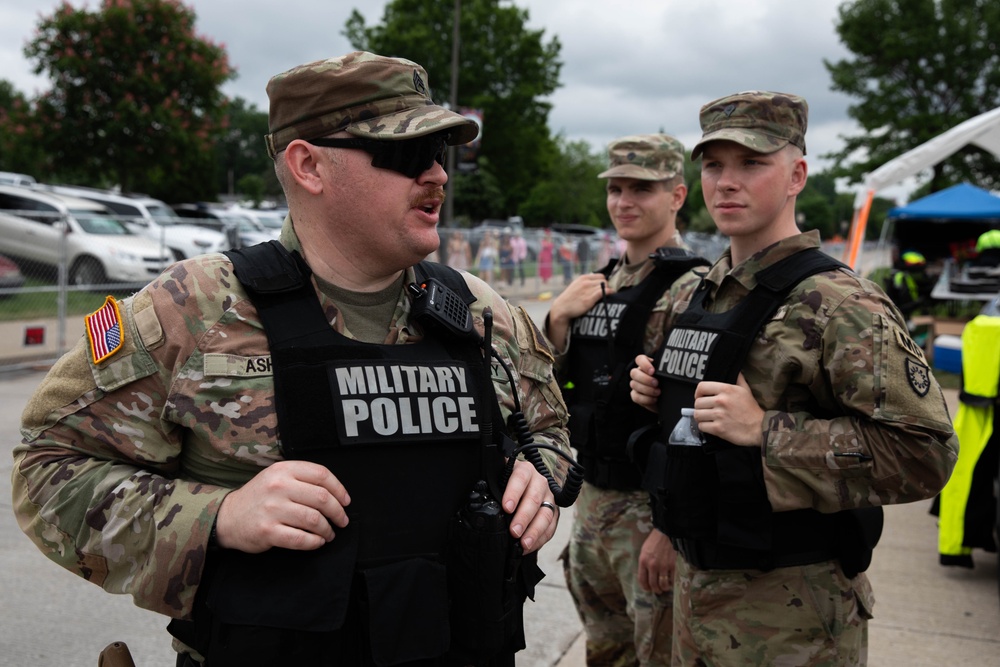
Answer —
406 402
105 330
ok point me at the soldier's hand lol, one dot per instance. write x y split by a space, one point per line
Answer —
532 522
657 559
645 387
729 411
576 299
291 504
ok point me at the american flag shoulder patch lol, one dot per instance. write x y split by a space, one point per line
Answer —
105 330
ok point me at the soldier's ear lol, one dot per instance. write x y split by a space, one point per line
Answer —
800 173
303 160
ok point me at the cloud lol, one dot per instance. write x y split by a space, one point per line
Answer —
629 66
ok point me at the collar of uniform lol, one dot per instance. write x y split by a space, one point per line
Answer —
288 237
746 272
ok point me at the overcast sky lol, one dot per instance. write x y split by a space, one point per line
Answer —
631 66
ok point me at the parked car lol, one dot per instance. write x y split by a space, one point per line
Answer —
152 218
14 178
34 226
241 229
270 219
10 275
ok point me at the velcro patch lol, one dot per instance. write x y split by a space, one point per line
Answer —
919 377
232 365
905 342
105 330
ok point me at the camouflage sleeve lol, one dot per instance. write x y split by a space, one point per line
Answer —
528 355
96 480
872 427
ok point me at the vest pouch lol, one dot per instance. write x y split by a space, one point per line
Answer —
405 608
689 483
284 588
745 517
481 587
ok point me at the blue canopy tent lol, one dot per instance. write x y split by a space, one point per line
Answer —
945 223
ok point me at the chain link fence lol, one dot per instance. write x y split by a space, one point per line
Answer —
57 267
59 276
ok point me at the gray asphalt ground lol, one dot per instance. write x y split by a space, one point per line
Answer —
926 615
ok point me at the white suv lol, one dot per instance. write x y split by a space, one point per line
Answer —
153 218
34 225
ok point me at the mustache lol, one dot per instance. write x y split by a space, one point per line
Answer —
434 194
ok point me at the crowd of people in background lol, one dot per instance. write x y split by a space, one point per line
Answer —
505 258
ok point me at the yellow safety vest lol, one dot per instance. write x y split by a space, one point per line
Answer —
973 425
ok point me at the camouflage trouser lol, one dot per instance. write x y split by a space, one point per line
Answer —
791 617
625 625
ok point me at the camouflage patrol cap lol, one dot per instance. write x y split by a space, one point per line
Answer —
760 120
648 157
365 94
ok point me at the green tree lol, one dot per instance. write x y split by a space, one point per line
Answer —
505 69
20 136
240 150
479 192
135 96
920 68
568 190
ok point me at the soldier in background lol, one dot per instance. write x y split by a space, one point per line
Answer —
814 405
618 567
275 458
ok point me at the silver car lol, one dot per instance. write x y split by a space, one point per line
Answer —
46 228
152 218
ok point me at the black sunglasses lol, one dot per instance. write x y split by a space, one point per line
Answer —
410 157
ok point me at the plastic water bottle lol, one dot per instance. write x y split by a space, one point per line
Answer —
686 430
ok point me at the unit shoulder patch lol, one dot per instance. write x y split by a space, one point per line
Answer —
918 375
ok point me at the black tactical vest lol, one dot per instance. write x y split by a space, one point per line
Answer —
711 500
409 430
595 383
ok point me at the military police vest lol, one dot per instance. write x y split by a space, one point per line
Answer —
409 431
711 500
603 345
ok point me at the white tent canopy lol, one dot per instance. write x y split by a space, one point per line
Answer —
982 131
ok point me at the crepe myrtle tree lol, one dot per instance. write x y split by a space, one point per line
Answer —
135 97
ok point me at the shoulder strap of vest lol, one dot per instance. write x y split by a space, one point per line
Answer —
782 276
277 282
670 264
609 267
773 284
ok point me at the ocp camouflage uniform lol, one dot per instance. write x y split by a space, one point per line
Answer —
624 624
125 462
854 419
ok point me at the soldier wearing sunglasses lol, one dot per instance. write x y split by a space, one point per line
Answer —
276 447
